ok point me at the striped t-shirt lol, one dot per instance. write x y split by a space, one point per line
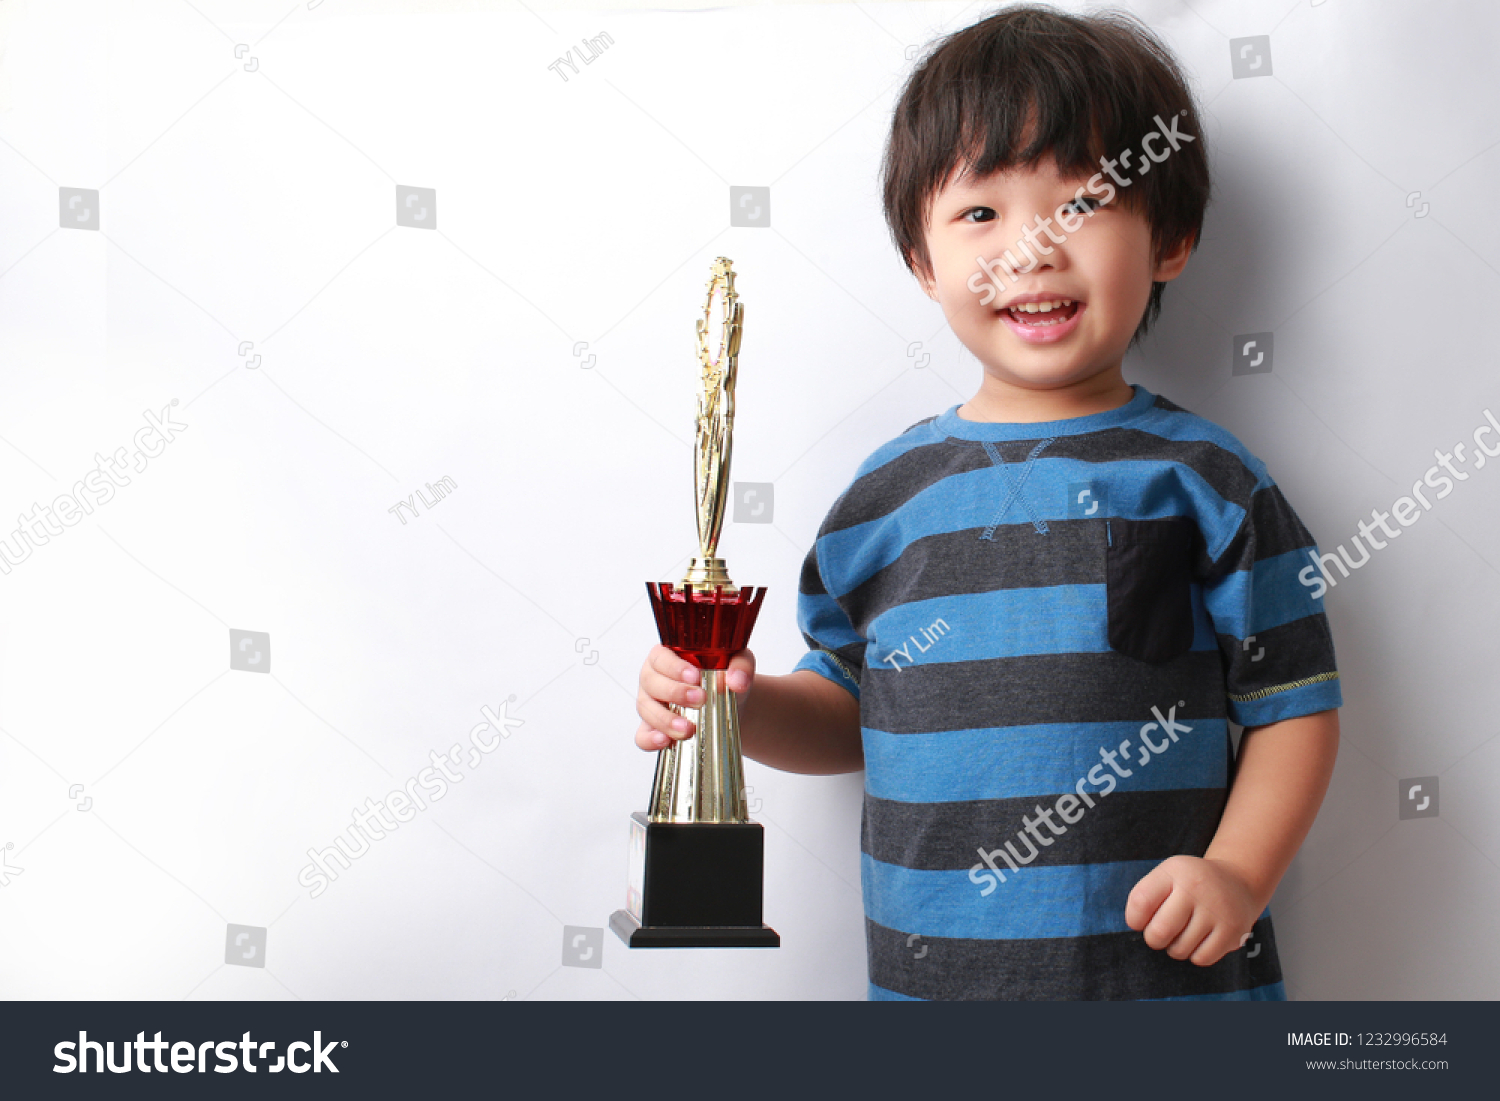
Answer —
1048 627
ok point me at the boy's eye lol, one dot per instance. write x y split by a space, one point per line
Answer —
986 214
1077 206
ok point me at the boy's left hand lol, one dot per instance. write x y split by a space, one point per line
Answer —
1194 908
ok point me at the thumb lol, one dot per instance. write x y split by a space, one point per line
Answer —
741 672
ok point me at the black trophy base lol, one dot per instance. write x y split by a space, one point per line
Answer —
636 935
695 885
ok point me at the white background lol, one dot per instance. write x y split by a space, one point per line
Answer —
259 206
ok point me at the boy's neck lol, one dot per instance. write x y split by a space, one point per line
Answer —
1006 403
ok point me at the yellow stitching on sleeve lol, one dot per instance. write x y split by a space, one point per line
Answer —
1262 693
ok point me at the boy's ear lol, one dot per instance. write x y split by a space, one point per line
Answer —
1174 261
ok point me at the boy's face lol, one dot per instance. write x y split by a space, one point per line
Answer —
1102 266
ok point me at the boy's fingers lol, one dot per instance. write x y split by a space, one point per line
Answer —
648 737
1215 947
1146 898
741 672
662 719
1171 919
664 689
1199 926
671 666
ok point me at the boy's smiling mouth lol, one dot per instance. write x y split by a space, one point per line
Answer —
1041 318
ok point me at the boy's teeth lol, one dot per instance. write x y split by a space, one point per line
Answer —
1020 309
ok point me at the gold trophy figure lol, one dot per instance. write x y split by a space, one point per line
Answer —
696 859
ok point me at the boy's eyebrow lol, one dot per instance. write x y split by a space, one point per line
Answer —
969 183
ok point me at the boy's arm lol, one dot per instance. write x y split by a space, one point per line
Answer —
1279 783
1203 908
801 722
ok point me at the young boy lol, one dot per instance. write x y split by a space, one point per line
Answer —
1031 617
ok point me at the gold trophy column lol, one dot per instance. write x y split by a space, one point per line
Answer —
701 779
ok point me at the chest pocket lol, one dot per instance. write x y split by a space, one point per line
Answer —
1148 574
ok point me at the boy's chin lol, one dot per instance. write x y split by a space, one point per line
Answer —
1033 376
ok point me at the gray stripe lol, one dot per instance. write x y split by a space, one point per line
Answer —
1123 825
1294 651
892 484
1271 527
1042 688
1106 967
958 563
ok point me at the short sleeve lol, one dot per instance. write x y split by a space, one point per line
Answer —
835 649
1264 594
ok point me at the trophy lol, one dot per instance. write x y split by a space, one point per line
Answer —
696 859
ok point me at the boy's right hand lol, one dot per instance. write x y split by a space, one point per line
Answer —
666 679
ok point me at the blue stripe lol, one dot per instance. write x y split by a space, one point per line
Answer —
1010 762
821 617
910 440
1067 900
1138 490
1322 696
821 663
1268 595
1270 992
1004 623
